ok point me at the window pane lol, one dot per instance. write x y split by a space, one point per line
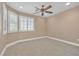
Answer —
30 24
12 22
26 23
23 23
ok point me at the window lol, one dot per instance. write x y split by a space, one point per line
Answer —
26 23
12 22
23 23
30 24
4 19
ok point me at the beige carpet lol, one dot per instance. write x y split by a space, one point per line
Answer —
42 47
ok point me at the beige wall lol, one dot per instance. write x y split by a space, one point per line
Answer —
0 19
3 41
0 26
65 25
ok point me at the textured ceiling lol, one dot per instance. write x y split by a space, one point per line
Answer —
29 7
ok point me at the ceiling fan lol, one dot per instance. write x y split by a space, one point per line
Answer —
43 10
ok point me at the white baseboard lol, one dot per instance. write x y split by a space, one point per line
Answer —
64 41
24 40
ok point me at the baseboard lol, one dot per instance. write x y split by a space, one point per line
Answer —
64 41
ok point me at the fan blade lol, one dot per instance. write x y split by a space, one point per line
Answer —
49 12
36 12
42 14
37 8
48 7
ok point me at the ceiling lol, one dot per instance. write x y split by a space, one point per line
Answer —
29 7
